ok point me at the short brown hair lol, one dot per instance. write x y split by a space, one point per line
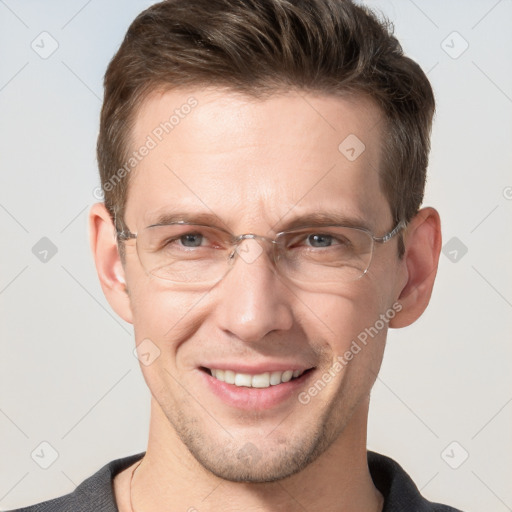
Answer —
258 47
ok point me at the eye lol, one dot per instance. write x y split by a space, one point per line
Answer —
181 240
323 240
310 240
192 240
320 240
187 239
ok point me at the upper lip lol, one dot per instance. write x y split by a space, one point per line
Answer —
256 369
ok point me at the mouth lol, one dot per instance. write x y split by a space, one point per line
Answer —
260 380
256 386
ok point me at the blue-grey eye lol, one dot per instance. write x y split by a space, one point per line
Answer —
191 240
320 240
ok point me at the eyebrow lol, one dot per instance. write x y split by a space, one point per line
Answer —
313 219
325 219
208 219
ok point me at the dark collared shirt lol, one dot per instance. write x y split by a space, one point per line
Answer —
96 494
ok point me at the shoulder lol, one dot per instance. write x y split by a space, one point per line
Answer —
93 494
399 491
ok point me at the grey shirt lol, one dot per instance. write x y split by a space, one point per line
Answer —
96 494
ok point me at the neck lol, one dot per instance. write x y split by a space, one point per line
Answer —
169 478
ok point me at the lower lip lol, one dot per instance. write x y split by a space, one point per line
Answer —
252 399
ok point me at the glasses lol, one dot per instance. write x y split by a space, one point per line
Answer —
199 255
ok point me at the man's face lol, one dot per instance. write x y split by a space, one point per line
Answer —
257 167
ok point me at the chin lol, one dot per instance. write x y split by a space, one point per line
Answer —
249 465
265 459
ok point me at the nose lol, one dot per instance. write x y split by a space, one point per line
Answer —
253 300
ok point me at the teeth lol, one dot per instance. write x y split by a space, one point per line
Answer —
262 380
229 376
243 379
275 378
287 375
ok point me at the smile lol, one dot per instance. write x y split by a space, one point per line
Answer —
261 380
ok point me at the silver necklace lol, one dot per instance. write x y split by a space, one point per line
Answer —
131 480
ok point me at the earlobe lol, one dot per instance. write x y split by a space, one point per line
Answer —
108 262
422 248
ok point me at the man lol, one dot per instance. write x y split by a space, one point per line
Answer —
263 164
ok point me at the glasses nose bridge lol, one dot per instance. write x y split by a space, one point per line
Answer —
252 236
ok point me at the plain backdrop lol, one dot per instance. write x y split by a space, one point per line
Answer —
442 404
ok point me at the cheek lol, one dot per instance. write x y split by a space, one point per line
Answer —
164 321
339 318
349 327
166 317
157 309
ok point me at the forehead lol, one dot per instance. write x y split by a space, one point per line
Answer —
256 162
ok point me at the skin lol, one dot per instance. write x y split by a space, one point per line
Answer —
258 165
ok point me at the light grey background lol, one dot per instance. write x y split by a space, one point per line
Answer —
68 375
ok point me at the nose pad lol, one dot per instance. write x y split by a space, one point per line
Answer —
249 250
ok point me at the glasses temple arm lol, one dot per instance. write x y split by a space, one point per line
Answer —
383 239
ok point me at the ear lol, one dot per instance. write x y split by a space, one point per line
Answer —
421 258
108 262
